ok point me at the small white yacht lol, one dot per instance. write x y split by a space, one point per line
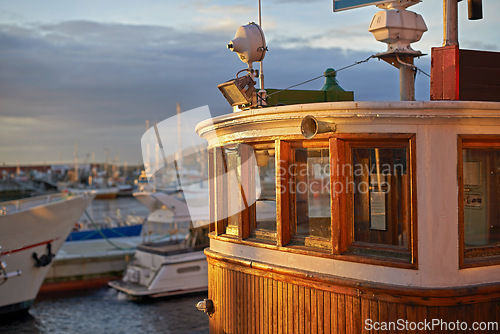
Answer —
166 268
173 266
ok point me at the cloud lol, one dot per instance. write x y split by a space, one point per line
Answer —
97 83
294 1
91 80
351 36
229 9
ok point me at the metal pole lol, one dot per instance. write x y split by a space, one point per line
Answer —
450 22
178 155
406 79
261 68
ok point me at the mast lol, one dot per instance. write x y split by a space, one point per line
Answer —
178 154
261 68
450 22
75 154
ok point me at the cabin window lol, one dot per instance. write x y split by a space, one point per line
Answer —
232 158
245 183
186 270
479 197
380 192
310 196
374 180
231 190
263 226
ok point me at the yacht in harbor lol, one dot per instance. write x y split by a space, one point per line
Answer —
32 232
172 265
170 261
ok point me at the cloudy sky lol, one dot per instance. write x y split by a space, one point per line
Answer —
92 72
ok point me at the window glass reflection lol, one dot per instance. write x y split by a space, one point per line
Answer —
481 181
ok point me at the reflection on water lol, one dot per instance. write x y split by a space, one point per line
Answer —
101 311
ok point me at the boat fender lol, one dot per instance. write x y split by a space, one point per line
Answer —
45 259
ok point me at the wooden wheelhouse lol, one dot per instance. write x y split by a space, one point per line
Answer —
392 216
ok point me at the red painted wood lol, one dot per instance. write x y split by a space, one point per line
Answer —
466 75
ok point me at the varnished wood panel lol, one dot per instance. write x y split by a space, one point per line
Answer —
334 316
327 313
341 314
319 312
253 301
280 307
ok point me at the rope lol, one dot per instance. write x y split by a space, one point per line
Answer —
98 230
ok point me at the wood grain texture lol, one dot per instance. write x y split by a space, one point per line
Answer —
251 300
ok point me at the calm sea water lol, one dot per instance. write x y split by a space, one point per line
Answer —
103 310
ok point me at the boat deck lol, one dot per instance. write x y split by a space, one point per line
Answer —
98 248
171 247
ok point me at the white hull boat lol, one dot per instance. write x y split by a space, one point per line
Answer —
164 269
32 232
171 267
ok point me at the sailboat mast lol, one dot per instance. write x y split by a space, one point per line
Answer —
75 155
178 155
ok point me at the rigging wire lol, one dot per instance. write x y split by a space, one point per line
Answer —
415 68
323 75
340 69
421 71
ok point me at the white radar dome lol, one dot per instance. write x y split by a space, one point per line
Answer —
249 43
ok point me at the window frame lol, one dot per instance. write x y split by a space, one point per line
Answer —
243 229
479 256
344 243
307 242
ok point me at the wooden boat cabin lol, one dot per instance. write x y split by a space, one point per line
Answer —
387 217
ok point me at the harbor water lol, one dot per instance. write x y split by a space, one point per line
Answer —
103 310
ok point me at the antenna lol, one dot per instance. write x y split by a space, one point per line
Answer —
261 68
178 155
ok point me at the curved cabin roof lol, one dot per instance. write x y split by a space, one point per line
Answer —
285 120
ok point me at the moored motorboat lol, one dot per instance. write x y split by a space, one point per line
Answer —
167 268
173 266
33 231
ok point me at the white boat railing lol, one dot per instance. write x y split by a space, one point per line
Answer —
27 203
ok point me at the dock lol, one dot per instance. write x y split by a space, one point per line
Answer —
89 263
